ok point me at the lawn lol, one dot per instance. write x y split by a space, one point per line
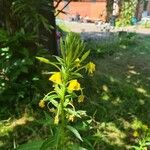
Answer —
120 96
117 102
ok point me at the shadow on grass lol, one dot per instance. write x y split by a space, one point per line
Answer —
119 97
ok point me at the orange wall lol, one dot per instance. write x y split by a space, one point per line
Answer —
94 10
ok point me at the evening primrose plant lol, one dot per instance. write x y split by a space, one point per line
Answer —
67 91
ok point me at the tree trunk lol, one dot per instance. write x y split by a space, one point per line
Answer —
109 7
52 39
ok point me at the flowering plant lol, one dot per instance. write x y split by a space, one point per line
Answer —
67 88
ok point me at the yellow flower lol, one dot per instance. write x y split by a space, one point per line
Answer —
105 88
56 119
81 98
77 62
74 85
42 103
71 118
90 67
56 78
52 110
135 134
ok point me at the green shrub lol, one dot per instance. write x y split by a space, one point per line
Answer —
127 12
127 38
19 71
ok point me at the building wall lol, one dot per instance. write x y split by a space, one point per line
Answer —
93 10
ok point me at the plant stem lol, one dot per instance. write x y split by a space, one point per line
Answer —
63 123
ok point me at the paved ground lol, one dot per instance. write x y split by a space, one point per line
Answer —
91 27
91 31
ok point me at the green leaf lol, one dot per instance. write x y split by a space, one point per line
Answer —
62 48
49 143
34 145
76 147
54 102
66 102
76 75
42 59
75 132
45 23
60 60
83 126
53 96
88 143
76 52
85 55
72 112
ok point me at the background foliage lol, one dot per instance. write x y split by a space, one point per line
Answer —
128 10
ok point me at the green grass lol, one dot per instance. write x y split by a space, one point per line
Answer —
146 25
117 42
119 96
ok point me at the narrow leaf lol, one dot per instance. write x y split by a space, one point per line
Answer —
49 143
85 55
75 132
34 145
42 59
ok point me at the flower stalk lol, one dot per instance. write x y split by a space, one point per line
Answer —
66 83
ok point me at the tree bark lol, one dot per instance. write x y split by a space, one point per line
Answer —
52 39
51 43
